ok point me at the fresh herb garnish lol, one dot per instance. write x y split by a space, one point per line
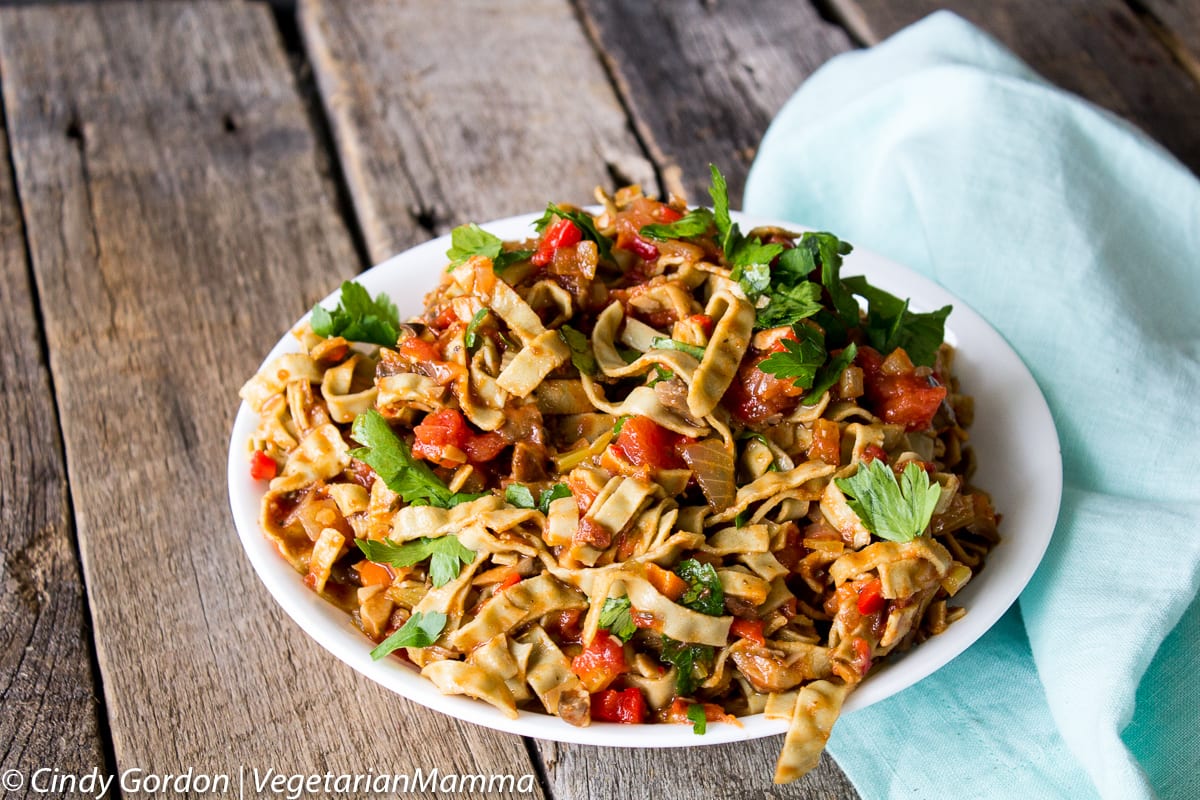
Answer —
467 241
829 373
699 719
619 424
510 257
788 304
749 259
742 517
358 317
705 593
694 223
689 660
521 496
582 220
422 629
661 374
393 461
800 359
898 511
471 338
556 492
581 349
663 343
890 324
617 617
444 554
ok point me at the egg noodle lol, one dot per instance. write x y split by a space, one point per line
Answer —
640 468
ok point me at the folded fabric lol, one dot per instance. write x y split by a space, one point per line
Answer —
1078 238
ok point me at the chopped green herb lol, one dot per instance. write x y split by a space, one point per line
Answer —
582 220
749 259
799 360
661 374
467 241
556 492
393 461
694 223
663 343
444 554
742 517
698 718
898 511
692 661
628 354
510 257
705 593
617 617
754 280
789 304
619 424
829 373
358 317
422 629
519 495
581 350
471 338
890 324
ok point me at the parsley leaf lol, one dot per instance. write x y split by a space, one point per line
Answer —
471 338
727 229
422 629
829 373
556 492
749 259
393 461
661 374
799 360
789 304
619 424
582 220
616 615
890 324
510 257
519 495
471 240
663 343
694 223
705 593
699 719
898 511
581 349
691 660
358 317
755 279
444 552
826 250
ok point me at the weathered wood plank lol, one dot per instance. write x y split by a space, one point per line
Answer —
1177 23
47 689
703 79
474 112
178 223
489 130
1096 48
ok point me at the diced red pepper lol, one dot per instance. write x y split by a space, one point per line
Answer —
678 709
563 233
639 247
873 452
262 466
705 322
862 655
666 582
644 443
509 582
627 706
666 214
418 350
446 317
751 629
870 597
600 662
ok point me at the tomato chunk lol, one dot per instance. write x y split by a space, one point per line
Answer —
445 438
870 597
902 399
644 443
678 710
601 662
751 629
372 574
627 706
562 233
826 442
262 466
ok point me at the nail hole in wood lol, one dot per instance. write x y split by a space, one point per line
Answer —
229 123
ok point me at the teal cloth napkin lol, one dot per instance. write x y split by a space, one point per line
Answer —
1078 238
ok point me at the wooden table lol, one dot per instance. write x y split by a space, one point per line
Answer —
188 177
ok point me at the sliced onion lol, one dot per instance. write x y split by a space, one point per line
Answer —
713 465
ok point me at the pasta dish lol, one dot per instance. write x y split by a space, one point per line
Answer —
642 467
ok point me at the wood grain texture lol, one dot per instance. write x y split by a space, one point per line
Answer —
1177 24
179 221
703 79
1098 49
477 111
388 97
47 689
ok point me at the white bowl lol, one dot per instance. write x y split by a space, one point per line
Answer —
1019 463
